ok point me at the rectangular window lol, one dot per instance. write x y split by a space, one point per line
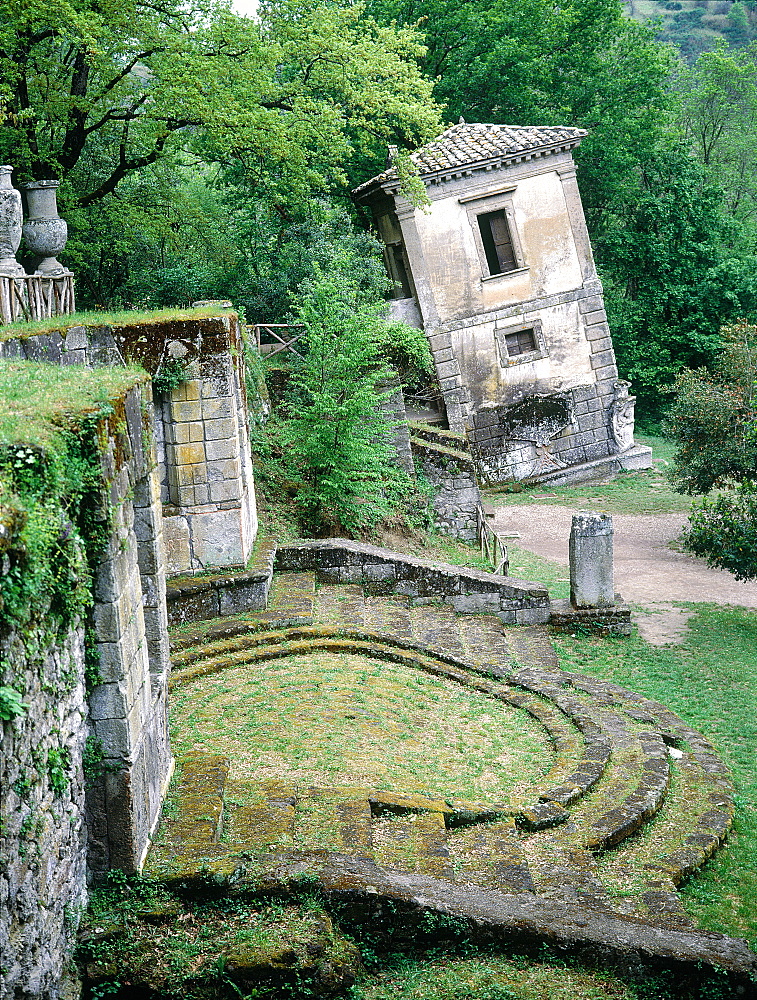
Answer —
396 267
498 244
522 342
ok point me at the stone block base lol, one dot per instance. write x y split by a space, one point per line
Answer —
615 620
638 457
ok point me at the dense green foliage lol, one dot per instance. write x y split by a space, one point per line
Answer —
698 26
713 417
724 531
713 420
191 141
335 438
50 490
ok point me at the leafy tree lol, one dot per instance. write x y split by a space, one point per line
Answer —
719 114
714 421
724 531
531 62
713 417
674 271
95 91
335 437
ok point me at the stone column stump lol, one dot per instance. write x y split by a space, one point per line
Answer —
591 568
593 606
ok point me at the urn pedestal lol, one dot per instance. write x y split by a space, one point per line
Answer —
10 225
45 233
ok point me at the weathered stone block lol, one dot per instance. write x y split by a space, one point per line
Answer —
223 448
221 427
227 489
176 545
218 538
186 411
591 561
530 616
189 454
474 604
602 359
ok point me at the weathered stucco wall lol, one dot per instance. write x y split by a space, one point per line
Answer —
457 281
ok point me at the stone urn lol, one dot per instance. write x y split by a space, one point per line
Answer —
45 233
10 225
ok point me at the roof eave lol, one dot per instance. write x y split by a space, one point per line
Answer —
391 185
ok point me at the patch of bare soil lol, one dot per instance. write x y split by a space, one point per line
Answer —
649 570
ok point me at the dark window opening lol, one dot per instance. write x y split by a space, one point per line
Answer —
522 342
394 258
498 246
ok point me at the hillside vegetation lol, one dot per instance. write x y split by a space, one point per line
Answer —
695 26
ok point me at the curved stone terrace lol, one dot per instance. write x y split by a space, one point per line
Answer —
396 750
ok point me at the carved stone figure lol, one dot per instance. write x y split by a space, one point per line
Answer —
44 231
622 416
10 225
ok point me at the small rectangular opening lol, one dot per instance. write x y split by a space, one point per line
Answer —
522 342
394 258
498 246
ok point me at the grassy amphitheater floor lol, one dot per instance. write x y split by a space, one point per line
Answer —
404 756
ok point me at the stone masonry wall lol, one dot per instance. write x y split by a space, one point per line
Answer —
453 476
589 437
202 433
381 571
42 838
128 710
210 517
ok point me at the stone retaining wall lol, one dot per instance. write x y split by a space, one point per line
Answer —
42 838
381 571
453 475
128 710
201 430
196 598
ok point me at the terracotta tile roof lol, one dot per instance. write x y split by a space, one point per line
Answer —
464 146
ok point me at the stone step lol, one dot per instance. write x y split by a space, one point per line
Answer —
340 604
389 613
334 819
292 597
567 874
416 842
437 629
265 824
576 769
491 855
199 800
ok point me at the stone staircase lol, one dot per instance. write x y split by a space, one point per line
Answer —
569 841
610 775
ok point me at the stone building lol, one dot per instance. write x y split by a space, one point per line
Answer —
498 271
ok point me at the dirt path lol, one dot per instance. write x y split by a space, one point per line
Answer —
647 571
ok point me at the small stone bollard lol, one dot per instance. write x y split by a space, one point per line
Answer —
592 583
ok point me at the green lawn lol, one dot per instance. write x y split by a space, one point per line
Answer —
710 680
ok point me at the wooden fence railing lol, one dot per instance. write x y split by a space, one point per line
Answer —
36 296
282 335
493 546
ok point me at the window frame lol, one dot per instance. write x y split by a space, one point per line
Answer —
478 205
504 329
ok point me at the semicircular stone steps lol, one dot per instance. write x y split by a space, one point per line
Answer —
575 837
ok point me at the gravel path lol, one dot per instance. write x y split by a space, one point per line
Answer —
647 571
